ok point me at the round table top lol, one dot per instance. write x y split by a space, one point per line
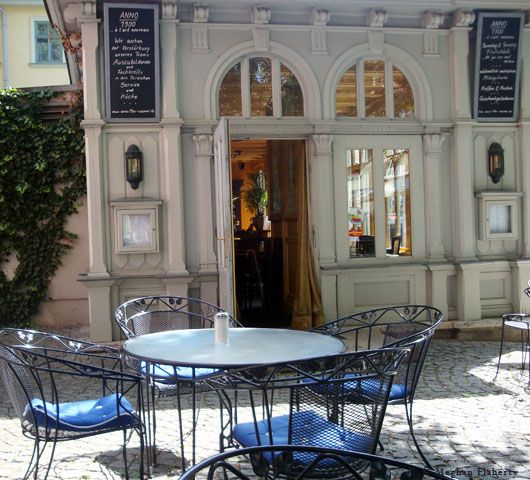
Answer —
246 346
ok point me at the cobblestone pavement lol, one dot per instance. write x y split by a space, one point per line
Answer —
466 425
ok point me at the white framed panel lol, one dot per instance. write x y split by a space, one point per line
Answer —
498 215
136 227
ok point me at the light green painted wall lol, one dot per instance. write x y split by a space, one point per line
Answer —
23 72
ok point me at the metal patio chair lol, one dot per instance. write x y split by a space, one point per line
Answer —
336 401
38 370
235 464
153 314
410 326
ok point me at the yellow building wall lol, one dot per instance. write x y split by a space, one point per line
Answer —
22 70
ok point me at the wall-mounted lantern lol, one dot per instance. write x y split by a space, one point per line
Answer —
495 162
133 166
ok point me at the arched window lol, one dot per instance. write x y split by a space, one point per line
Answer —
260 87
374 89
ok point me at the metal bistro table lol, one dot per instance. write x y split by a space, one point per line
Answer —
196 348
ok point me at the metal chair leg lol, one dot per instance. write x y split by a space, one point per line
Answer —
500 350
408 412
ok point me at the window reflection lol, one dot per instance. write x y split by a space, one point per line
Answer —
260 87
292 99
374 88
346 96
361 224
397 200
230 93
403 97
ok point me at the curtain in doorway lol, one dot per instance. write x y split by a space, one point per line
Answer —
307 307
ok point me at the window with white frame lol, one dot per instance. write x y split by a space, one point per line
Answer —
379 196
260 87
46 44
373 88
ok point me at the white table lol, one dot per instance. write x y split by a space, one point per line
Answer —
247 346
196 348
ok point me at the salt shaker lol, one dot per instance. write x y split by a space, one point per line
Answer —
221 327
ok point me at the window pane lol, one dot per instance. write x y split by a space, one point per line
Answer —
42 29
292 98
397 200
56 49
361 224
500 218
260 87
346 95
374 88
230 93
403 98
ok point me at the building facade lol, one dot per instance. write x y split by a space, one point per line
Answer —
32 54
399 174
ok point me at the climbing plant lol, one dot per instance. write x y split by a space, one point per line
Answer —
42 180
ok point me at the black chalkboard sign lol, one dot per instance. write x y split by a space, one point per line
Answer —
132 62
497 66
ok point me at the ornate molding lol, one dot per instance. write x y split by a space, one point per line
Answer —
376 18
89 9
319 17
432 143
203 145
261 15
201 12
169 10
199 38
463 18
432 19
323 144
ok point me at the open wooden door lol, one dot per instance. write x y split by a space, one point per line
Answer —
224 218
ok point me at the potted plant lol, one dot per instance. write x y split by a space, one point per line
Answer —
256 197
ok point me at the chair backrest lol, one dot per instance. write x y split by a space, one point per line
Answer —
161 313
354 463
334 401
37 370
396 245
405 325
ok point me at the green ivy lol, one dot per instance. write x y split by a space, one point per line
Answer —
42 180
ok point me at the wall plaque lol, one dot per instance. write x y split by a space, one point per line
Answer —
132 63
497 67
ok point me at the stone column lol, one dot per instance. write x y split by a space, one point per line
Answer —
432 152
462 154
321 175
203 151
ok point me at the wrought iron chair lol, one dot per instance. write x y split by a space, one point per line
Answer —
410 326
38 369
158 314
337 401
233 464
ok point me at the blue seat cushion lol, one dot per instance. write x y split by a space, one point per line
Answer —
308 428
369 388
83 416
166 373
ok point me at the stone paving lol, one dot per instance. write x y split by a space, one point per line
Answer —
468 426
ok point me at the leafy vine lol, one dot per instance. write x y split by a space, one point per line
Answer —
42 180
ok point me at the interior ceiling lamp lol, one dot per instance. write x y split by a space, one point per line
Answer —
133 166
495 162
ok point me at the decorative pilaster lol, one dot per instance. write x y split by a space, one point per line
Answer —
468 306
199 29
462 154
432 21
260 29
319 42
90 37
321 174
524 142
168 57
376 19
203 152
432 151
